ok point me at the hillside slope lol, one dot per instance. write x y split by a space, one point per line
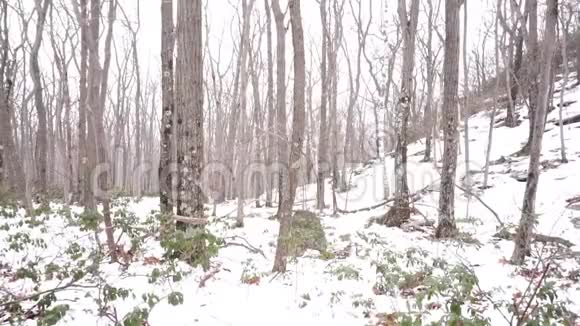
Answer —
370 274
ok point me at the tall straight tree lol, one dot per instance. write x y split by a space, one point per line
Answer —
430 58
10 161
285 213
354 86
83 194
565 24
400 212
246 48
323 132
528 218
41 7
270 152
189 106
167 105
282 145
446 227
533 70
333 73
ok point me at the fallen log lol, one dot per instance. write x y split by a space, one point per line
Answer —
536 238
412 198
190 220
570 120
573 200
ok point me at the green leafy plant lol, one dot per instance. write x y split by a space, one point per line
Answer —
345 272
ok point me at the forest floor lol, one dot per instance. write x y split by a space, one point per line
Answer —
370 274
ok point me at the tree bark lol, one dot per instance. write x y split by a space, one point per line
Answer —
189 106
82 195
280 99
430 80
528 218
167 106
466 109
495 105
271 150
531 9
11 168
42 132
298 117
565 25
446 227
333 46
400 212
242 141
322 168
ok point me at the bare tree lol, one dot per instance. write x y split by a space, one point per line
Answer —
64 137
531 9
354 86
189 106
466 108
514 72
271 149
431 58
83 194
10 161
495 102
285 213
245 47
446 227
333 72
528 218
322 170
565 24
167 106
400 212
137 187
41 7
280 98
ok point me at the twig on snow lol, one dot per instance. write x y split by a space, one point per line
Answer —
246 245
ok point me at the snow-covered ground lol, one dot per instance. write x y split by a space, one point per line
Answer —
342 289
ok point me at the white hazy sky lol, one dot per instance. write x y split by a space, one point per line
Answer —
224 29
223 22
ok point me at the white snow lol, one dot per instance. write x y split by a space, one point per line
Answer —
309 294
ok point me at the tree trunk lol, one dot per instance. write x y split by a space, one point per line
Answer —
578 53
400 212
270 152
280 99
322 168
11 168
285 214
533 71
430 80
333 47
167 106
466 109
82 179
516 78
257 121
189 106
446 227
242 141
42 133
564 46
93 70
495 105
528 218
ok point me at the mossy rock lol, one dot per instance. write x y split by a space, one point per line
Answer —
306 233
